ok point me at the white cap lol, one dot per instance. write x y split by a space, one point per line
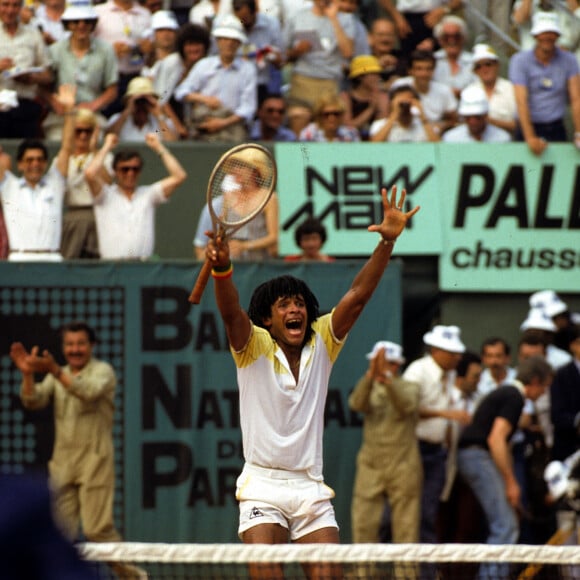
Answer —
545 22
556 477
79 10
446 338
483 52
473 102
164 20
549 302
538 319
229 26
393 351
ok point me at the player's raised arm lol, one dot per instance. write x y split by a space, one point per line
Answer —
352 303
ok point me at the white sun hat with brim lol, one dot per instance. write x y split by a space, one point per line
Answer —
537 319
556 477
473 102
79 10
545 22
446 338
483 52
164 20
549 302
393 351
229 26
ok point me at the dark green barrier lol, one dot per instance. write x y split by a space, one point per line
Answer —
176 425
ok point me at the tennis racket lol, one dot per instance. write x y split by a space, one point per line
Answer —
239 188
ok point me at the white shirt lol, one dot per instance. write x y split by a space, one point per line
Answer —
33 216
415 133
126 227
77 188
487 383
434 394
282 421
502 103
461 134
130 131
418 5
437 101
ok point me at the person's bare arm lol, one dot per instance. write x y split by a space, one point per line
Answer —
403 27
177 174
94 173
574 95
365 282
344 42
523 13
66 97
536 144
499 450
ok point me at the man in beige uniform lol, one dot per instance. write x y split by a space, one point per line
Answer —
82 465
388 463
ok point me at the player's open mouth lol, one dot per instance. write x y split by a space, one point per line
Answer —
294 324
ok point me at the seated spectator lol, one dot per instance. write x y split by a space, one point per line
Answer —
192 45
473 108
33 203
222 89
24 67
415 21
164 35
365 102
263 45
142 114
85 61
407 122
47 18
269 126
122 23
453 63
317 41
256 240
79 231
383 43
299 117
328 124
125 211
437 99
500 92
310 236
546 80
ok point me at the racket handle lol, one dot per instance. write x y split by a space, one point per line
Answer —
200 283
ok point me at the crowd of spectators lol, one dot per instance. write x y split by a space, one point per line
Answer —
451 451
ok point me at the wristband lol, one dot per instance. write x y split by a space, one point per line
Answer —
387 242
223 272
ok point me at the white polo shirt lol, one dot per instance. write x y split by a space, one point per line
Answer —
282 421
126 227
33 216
435 394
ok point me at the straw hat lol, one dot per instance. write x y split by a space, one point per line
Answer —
363 65
140 87
446 338
254 158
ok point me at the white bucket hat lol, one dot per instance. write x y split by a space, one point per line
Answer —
556 477
79 10
393 351
545 22
538 319
164 20
473 102
446 338
549 302
229 27
483 52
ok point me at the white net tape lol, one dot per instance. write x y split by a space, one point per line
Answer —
344 553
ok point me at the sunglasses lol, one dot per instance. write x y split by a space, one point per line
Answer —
452 36
332 114
75 22
485 64
81 130
128 168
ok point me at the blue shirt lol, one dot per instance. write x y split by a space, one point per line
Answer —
282 134
547 85
235 86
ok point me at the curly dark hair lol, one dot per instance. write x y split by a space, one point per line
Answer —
266 294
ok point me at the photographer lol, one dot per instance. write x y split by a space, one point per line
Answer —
142 115
406 122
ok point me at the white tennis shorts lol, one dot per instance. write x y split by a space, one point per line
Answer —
288 498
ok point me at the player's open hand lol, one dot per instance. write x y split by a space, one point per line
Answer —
395 219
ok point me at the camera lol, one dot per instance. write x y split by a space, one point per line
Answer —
142 101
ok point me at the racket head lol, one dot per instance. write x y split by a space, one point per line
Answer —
240 186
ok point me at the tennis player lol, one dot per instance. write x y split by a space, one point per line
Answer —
284 353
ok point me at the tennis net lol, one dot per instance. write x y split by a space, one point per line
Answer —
330 561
